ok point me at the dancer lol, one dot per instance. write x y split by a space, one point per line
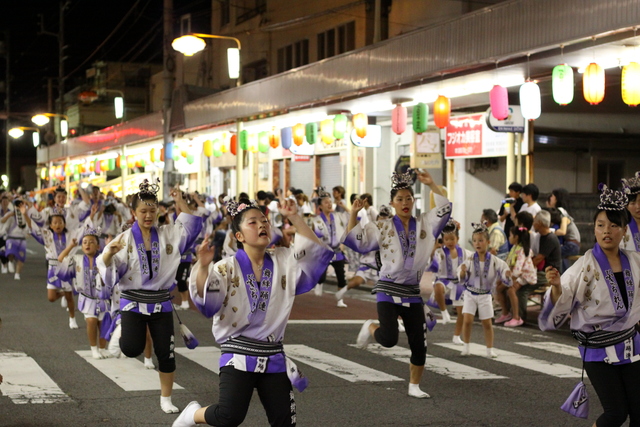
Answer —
5 208
250 297
93 301
631 187
143 261
54 239
74 214
479 274
446 261
598 293
405 245
17 230
329 226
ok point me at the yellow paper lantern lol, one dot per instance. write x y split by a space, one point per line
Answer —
207 148
360 122
326 131
298 134
631 84
593 84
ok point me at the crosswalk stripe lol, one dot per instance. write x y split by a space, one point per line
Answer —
128 373
522 361
437 365
207 357
26 382
554 347
335 365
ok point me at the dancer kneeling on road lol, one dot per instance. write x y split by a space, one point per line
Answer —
250 296
405 243
143 261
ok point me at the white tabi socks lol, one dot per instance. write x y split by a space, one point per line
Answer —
95 353
318 290
167 406
148 363
466 351
490 353
414 391
186 418
456 340
72 323
114 343
446 318
341 292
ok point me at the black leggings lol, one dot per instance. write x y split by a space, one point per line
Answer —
338 266
134 337
236 389
414 324
618 388
182 276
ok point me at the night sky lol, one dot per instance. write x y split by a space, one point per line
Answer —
95 30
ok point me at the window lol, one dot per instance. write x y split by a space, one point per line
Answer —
255 71
329 45
225 12
293 56
247 9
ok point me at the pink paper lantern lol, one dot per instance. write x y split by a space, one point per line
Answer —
399 119
499 101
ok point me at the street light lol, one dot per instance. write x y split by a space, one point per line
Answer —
44 118
18 132
192 43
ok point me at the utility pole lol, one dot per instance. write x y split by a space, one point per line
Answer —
167 92
7 104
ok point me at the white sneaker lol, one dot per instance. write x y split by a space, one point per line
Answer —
400 325
490 353
114 343
364 336
318 290
63 302
72 323
186 417
414 391
341 304
148 363
446 318
340 294
11 266
16 276
457 340
4 269
167 406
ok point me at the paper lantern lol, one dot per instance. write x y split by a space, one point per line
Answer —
420 117
97 167
326 131
399 119
263 142
43 173
244 140
152 155
442 111
162 154
360 122
112 164
298 134
233 144
274 137
286 135
593 84
92 166
311 132
131 162
631 84
207 148
253 142
562 84
190 158
119 162
78 168
216 146
76 177
340 122
176 155
169 151
530 100
223 148
67 169
104 165
499 102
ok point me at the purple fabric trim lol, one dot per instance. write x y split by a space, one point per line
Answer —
259 294
614 289
17 248
53 277
60 242
145 270
166 306
408 243
635 234
623 351
382 297
449 261
332 228
275 363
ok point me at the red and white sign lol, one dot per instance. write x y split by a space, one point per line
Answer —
301 158
464 136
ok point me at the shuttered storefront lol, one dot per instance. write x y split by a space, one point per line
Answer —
302 176
330 171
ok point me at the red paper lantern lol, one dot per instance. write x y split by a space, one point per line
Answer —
399 119
233 144
499 102
593 84
442 111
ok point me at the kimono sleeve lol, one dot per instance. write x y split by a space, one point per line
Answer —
215 289
37 232
190 227
436 261
67 269
552 316
119 264
503 271
437 217
310 259
363 239
467 263
83 210
35 216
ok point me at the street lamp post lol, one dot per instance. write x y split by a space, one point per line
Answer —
42 119
18 132
193 43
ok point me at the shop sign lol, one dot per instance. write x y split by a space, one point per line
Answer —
305 149
513 123
372 139
425 151
301 158
469 136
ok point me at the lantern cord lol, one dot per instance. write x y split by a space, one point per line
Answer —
528 70
562 53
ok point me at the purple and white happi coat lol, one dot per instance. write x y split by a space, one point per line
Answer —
74 214
481 277
330 229
446 270
240 306
631 239
592 298
130 267
404 256
94 297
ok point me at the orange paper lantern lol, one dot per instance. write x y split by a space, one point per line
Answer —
442 111
360 122
593 84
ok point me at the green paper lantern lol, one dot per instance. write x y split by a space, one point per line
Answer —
420 117
244 140
311 132
112 164
190 158
263 142
562 84
340 123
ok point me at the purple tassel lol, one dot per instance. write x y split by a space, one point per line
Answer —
431 302
429 317
189 339
297 378
577 404
105 327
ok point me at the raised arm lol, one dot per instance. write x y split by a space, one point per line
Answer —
67 250
289 209
425 178
353 217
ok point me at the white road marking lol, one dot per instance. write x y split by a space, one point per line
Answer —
554 347
335 365
327 322
128 373
522 361
26 382
207 357
437 365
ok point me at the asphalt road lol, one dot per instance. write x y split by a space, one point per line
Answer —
524 386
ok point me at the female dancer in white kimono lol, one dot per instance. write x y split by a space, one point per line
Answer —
74 214
16 230
598 292
631 187
329 226
405 243
143 261
93 300
250 297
